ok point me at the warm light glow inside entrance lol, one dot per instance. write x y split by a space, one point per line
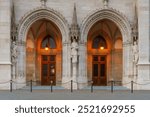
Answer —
102 48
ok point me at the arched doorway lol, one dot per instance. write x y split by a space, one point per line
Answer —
43 53
104 53
125 29
57 23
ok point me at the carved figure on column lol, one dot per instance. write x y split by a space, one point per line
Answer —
135 52
74 51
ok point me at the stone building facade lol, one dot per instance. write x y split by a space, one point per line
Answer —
56 41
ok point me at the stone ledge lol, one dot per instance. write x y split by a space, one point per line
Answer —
5 63
143 64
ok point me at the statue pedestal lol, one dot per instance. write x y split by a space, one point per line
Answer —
74 76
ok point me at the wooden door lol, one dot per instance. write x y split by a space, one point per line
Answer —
99 70
48 69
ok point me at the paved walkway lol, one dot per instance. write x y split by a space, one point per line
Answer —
25 94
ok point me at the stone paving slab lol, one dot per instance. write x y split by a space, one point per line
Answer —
76 95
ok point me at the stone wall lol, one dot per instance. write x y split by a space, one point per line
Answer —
144 43
5 59
83 7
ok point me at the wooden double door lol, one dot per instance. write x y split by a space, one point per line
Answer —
99 70
48 69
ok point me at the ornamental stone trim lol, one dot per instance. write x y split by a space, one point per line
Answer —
112 14
42 13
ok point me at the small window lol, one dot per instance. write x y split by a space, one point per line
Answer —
99 42
49 42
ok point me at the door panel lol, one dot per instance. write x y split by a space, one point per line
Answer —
48 70
99 70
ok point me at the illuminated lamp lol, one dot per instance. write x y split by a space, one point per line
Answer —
102 48
46 47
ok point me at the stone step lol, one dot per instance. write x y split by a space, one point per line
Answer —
107 88
86 88
44 87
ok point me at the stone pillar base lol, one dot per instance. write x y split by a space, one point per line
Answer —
5 76
20 83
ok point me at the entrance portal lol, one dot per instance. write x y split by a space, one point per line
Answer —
44 48
104 53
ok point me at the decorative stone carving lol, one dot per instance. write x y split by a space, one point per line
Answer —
135 52
74 30
135 27
40 13
105 2
13 25
112 14
74 36
43 2
14 52
74 51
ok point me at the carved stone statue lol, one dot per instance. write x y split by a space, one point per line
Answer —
74 51
74 56
135 52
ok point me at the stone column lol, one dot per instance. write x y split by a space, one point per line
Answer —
66 66
21 65
127 63
74 75
5 43
144 44
82 78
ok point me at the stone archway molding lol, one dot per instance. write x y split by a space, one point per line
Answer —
42 13
111 14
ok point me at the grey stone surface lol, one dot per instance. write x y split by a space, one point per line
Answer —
76 95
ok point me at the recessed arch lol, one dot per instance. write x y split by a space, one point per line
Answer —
113 15
125 28
26 22
42 13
